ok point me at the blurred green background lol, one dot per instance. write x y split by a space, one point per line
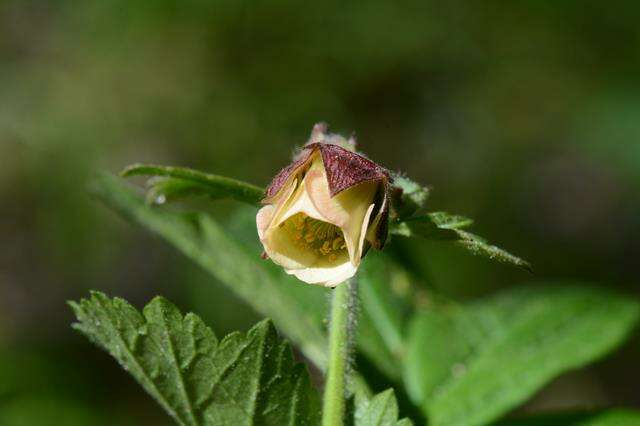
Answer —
524 115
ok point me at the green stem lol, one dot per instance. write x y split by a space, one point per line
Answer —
340 338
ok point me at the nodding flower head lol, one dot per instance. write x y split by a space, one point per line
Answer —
325 210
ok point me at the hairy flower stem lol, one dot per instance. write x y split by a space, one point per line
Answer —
341 335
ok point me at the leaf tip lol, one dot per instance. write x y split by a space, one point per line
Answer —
263 327
131 170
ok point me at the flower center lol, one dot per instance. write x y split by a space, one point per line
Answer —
322 237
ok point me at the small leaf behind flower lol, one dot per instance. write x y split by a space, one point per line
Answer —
195 182
450 221
409 197
244 379
443 226
479 246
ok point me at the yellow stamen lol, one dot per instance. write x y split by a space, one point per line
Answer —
324 238
337 243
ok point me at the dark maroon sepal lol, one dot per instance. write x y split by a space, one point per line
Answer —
284 174
346 169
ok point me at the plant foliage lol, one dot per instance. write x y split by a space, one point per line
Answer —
244 379
184 181
470 365
441 226
464 364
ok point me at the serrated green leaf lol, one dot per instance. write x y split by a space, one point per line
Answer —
470 365
609 417
244 379
197 182
445 220
479 246
433 226
297 309
442 226
379 410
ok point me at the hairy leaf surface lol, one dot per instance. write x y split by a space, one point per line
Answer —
409 197
446 227
196 182
245 379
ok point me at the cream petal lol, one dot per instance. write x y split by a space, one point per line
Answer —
359 205
363 232
300 203
277 242
263 219
375 223
346 210
331 211
340 208
279 245
285 202
356 198
328 277
318 190
354 234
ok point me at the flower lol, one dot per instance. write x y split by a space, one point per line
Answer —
323 211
